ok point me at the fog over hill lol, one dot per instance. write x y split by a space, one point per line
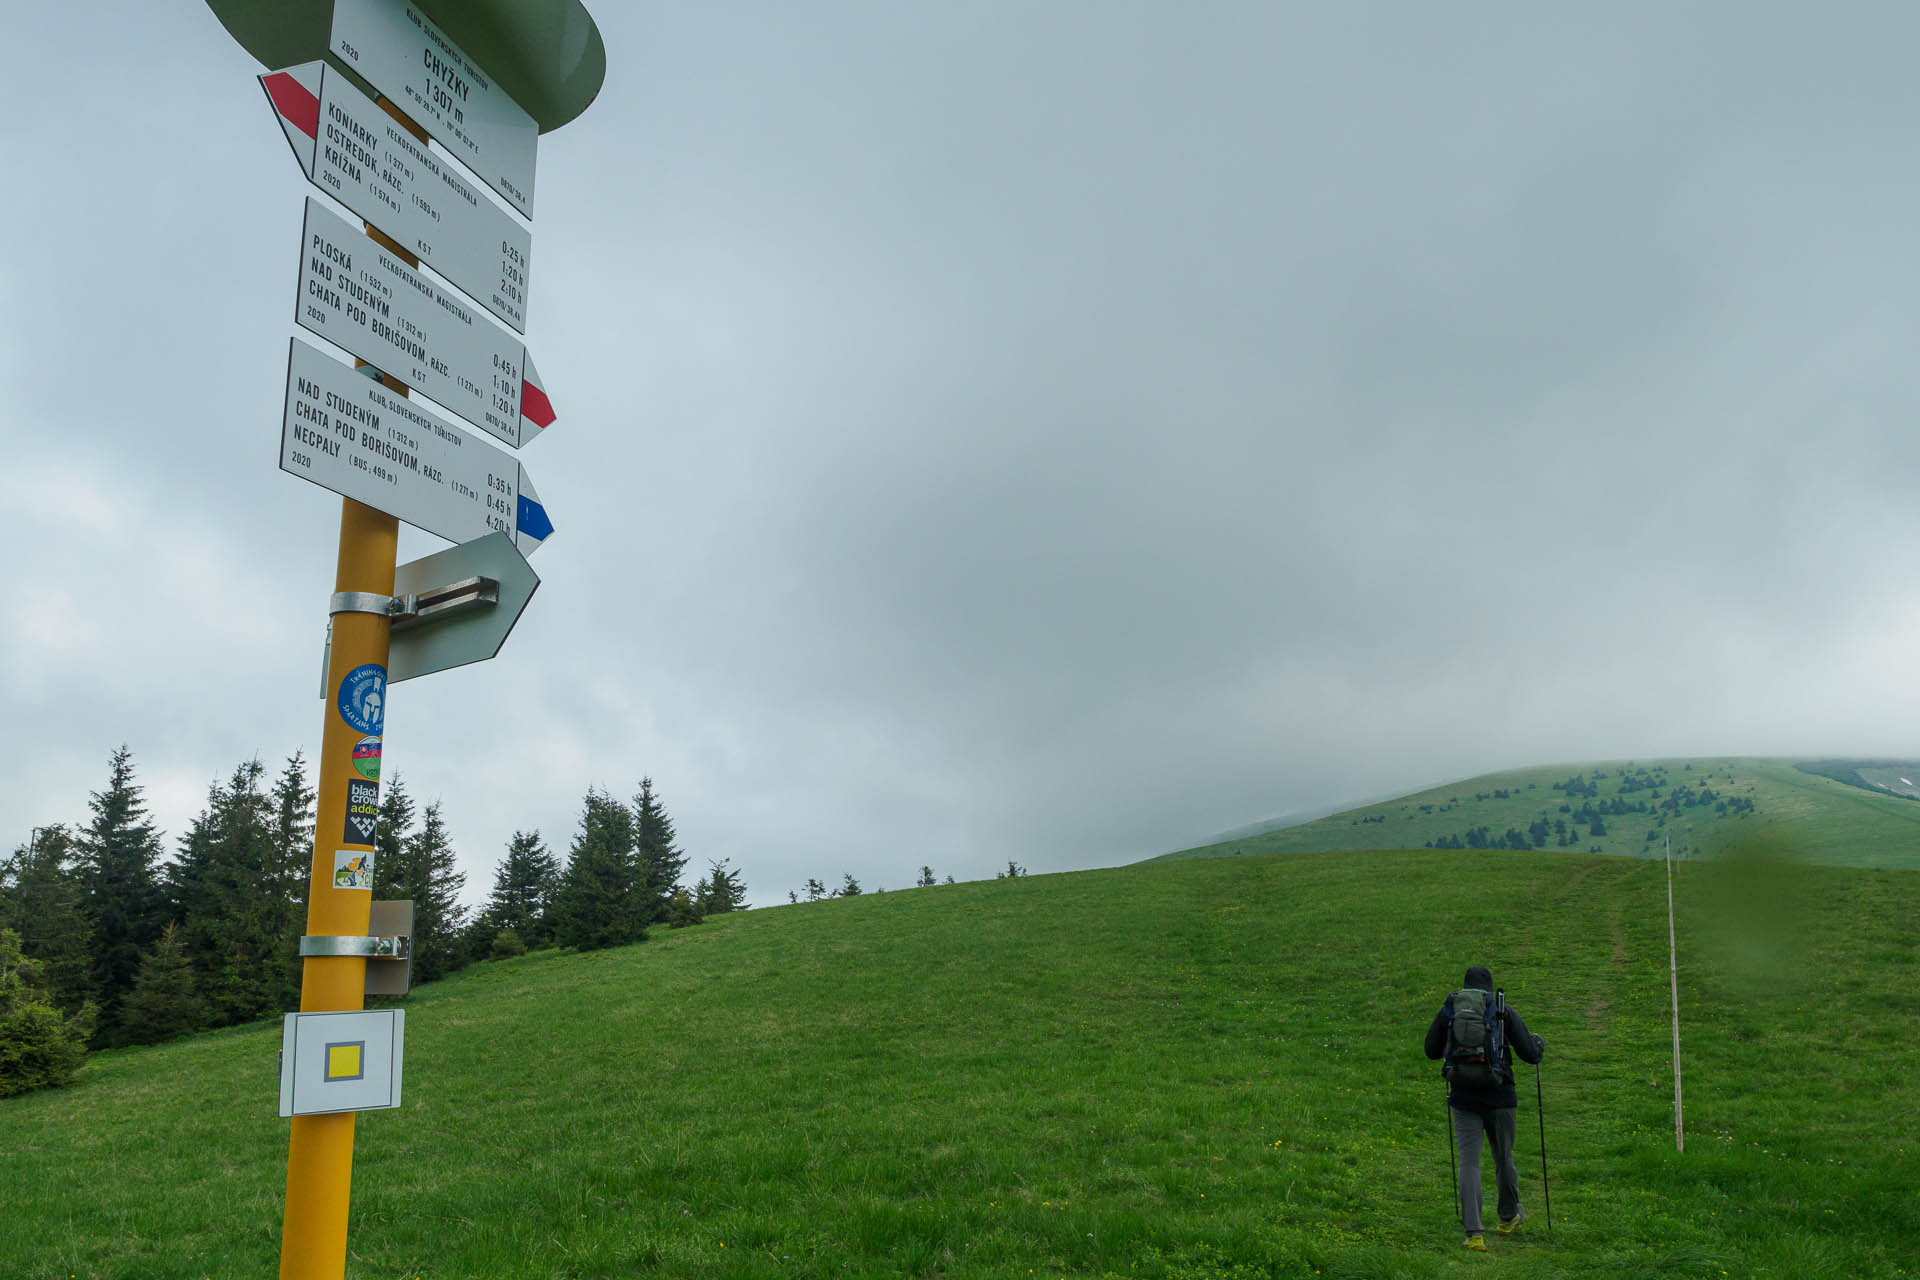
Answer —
1849 812
1009 430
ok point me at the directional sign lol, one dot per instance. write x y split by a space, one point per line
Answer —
457 637
405 56
348 433
357 153
356 294
461 638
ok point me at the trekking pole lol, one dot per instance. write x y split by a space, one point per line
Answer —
1673 978
1453 1161
1540 1109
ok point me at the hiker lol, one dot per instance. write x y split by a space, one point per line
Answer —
1477 1035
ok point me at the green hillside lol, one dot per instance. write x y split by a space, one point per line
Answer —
1177 1070
1823 819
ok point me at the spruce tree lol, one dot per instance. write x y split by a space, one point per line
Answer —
684 909
227 890
722 890
389 841
181 879
292 869
163 1003
849 887
660 860
46 906
293 826
119 851
601 902
523 889
430 875
39 1046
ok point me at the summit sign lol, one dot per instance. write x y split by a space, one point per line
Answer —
405 56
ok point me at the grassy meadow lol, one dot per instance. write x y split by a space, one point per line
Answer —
1206 1068
1822 820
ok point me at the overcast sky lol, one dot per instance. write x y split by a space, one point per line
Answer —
1051 431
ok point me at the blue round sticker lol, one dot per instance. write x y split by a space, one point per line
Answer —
363 697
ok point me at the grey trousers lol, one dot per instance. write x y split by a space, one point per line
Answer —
1497 1126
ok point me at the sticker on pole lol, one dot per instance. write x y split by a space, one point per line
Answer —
363 696
352 869
362 818
366 757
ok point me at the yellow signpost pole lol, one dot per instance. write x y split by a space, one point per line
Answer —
313 1239
542 61
320 1155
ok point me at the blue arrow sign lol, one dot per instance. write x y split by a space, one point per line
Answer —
352 435
533 520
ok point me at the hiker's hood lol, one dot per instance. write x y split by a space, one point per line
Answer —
1477 976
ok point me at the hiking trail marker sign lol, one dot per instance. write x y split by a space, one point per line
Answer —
475 93
348 433
473 635
345 1061
485 584
356 295
358 154
409 59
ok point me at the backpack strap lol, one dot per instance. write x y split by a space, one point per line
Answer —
1497 1031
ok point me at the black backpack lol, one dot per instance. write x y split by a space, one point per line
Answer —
1476 1056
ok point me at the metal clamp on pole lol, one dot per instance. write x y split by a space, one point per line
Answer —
397 947
425 606
362 602
440 602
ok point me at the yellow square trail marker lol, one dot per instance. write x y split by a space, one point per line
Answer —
343 1061
339 1062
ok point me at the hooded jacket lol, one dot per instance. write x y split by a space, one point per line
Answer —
1514 1039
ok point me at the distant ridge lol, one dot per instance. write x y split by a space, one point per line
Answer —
1295 818
1894 777
1843 812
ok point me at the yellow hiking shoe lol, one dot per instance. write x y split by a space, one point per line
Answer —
1508 1227
1477 1242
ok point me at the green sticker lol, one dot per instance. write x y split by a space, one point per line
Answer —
366 757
